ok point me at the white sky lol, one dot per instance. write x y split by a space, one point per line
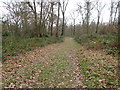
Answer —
105 13
72 6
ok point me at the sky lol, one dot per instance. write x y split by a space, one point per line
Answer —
72 6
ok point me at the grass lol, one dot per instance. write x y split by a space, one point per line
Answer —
55 72
52 76
98 60
13 47
98 72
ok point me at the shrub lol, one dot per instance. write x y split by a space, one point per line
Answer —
106 41
113 51
5 33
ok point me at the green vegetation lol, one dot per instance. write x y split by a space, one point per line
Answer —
99 72
98 61
13 47
108 42
53 69
55 73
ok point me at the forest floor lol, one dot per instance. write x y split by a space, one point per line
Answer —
60 65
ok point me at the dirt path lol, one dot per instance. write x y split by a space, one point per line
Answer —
55 65
61 65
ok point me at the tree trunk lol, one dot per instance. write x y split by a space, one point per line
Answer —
119 37
119 22
119 15
71 30
87 17
57 28
35 13
40 25
52 18
97 27
115 14
111 13
74 28
83 24
63 24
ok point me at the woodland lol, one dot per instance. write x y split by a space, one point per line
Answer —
41 48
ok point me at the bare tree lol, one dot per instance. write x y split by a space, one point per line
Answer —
45 19
86 13
81 11
64 4
88 8
33 9
116 10
40 22
15 16
52 4
37 17
57 26
73 17
99 9
71 28
119 18
119 28
111 11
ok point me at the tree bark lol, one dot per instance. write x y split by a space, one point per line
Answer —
33 8
115 14
98 21
40 25
119 23
57 28
119 37
35 13
52 18
74 28
87 17
111 12
63 24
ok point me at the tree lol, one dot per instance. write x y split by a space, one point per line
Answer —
81 11
40 22
85 12
57 26
15 16
45 19
33 9
52 4
119 32
111 12
64 4
73 17
116 10
119 19
35 19
71 28
99 9
88 14
24 11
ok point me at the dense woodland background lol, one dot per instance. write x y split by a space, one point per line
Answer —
42 19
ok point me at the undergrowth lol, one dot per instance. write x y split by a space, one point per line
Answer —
13 47
98 67
108 42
